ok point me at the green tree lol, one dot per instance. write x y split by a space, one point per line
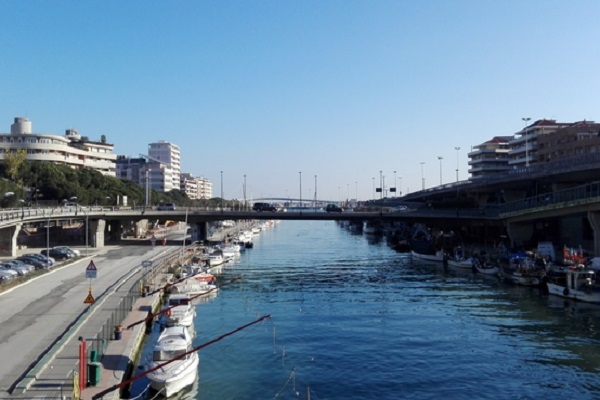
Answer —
13 162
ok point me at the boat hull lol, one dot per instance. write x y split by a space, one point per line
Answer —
574 294
169 385
437 257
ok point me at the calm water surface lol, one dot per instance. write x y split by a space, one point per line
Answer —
353 319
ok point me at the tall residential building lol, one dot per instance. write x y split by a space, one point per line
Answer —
72 149
576 139
195 188
490 157
524 147
167 169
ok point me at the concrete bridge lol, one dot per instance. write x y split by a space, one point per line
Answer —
569 216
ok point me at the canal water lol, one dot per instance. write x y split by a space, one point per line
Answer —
353 319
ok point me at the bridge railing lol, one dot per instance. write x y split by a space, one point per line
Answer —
589 193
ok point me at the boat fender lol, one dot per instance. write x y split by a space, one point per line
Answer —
168 312
566 291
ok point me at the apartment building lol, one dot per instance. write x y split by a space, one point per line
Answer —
70 149
490 157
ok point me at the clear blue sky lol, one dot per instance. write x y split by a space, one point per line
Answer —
337 89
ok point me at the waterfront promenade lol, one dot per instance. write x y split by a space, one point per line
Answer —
50 372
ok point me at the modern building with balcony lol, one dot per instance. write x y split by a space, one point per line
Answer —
524 147
71 149
490 157
577 139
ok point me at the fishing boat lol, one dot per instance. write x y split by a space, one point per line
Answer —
438 256
174 366
577 283
460 260
523 271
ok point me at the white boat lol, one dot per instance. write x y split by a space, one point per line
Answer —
229 253
173 344
459 260
199 283
577 283
437 257
487 269
465 263
180 310
215 259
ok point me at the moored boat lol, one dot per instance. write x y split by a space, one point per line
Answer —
577 283
174 366
438 256
179 310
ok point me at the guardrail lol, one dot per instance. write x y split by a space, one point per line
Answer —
584 193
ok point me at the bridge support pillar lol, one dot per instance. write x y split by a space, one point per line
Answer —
594 218
199 231
97 232
8 240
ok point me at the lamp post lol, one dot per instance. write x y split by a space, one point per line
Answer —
221 191
422 176
48 238
400 186
300 173
395 182
440 158
356 191
526 120
315 192
245 204
373 188
457 148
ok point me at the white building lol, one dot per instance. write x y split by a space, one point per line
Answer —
72 149
524 147
490 157
195 188
167 169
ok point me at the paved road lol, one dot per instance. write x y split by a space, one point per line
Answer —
35 314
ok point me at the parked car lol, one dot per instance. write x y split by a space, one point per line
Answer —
6 270
19 269
35 262
263 207
77 252
58 254
333 208
6 276
23 263
45 259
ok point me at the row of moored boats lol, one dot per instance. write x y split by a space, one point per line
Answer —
175 362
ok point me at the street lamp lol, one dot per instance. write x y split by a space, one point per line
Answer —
526 119
395 182
440 158
400 186
245 204
300 173
221 191
48 238
457 149
422 176
315 192
373 188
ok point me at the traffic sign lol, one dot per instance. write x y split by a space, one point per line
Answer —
89 299
91 271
